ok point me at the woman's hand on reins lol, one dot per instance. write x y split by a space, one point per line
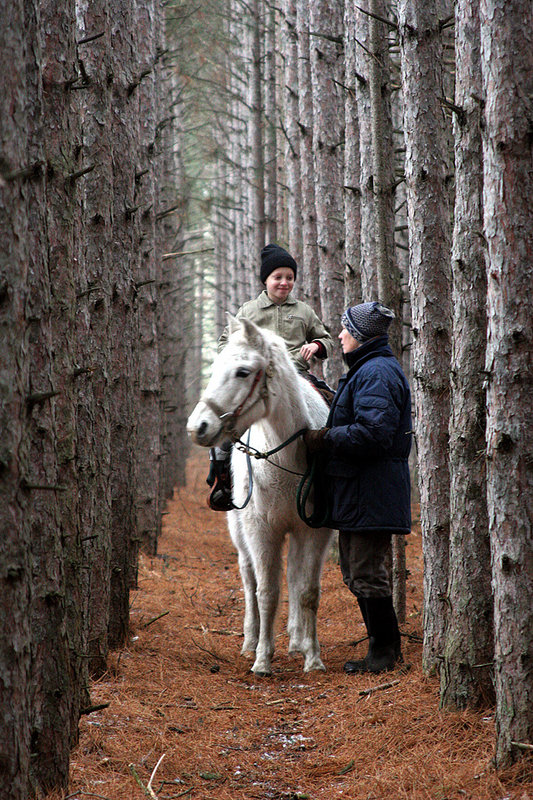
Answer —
315 440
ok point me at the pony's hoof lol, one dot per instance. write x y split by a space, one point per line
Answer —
315 665
262 670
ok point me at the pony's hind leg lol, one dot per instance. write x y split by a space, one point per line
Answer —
304 567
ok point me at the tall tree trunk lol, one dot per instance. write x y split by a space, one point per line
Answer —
147 279
368 251
290 129
93 290
325 21
175 311
63 151
507 67
15 535
352 189
466 671
309 278
270 104
52 688
122 331
257 172
429 241
383 190
383 183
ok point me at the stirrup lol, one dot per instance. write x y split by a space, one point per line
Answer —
220 498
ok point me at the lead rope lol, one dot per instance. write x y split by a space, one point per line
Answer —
253 451
317 518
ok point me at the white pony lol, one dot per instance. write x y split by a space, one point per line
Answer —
254 385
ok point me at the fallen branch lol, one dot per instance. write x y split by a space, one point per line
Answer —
522 745
210 652
378 688
92 709
149 787
148 792
156 618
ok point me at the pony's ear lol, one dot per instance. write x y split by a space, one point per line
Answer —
253 334
233 323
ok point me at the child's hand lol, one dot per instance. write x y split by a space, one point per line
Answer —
307 351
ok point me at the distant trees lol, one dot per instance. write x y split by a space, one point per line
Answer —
91 360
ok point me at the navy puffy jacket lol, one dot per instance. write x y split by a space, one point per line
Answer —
368 444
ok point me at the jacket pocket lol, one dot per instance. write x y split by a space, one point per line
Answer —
346 511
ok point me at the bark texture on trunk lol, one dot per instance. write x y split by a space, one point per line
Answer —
466 671
15 568
309 279
147 281
93 344
123 333
368 249
325 21
429 241
507 67
290 130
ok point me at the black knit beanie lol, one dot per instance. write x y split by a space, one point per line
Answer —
367 320
274 256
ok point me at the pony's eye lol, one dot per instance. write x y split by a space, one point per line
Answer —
242 373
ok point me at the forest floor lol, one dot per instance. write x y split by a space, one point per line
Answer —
182 697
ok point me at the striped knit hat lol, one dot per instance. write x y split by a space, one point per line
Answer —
367 320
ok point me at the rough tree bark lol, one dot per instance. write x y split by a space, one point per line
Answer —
367 248
270 105
256 131
429 239
93 345
147 282
325 23
352 189
466 671
52 686
507 67
15 571
289 124
309 279
64 157
175 311
122 332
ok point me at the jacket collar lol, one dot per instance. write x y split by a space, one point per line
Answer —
264 300
375 347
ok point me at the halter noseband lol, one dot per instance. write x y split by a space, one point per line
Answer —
228 418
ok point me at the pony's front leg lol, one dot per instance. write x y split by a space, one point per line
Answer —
305 559
249 585
267 561
251 611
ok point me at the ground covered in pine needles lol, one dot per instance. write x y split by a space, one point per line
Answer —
186 718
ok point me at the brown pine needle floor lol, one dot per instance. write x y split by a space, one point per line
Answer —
182 698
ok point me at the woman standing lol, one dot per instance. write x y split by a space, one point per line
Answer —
365 448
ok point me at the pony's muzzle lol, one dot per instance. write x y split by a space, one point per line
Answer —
203 427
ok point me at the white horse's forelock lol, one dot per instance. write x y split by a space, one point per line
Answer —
258 530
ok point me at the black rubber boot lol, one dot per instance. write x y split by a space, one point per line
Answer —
384 649
219 478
